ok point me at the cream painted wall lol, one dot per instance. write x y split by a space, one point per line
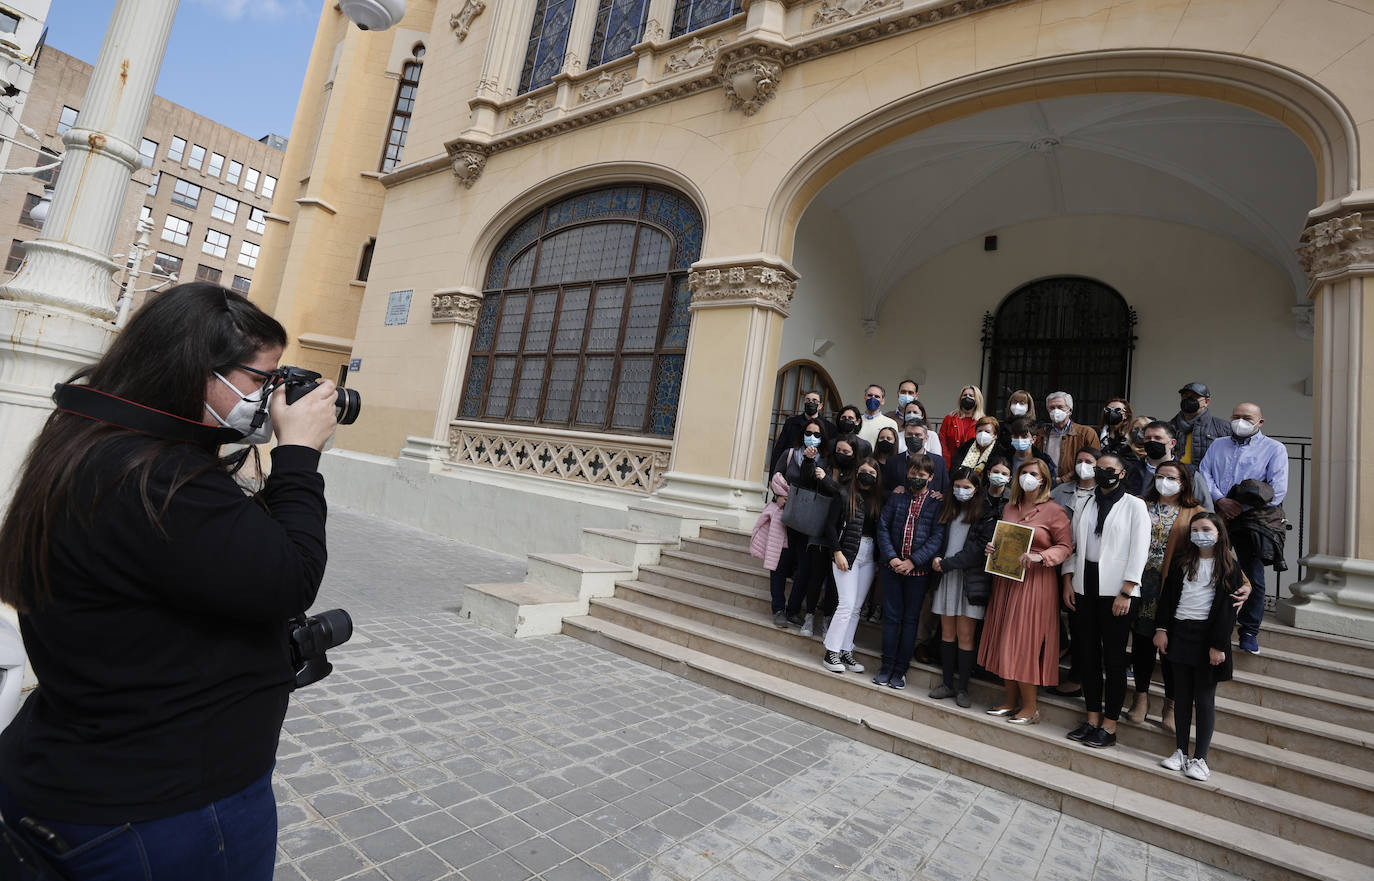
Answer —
1209 310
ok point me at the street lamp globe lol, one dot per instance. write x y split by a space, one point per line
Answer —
374 15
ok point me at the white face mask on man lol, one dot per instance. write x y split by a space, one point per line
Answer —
240 418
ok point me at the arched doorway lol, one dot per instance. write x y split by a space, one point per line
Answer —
795 380
1067 333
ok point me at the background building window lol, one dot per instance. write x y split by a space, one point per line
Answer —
177 150
185 193
250 180
688 15
176 230
9 22
548 42
25 215
152 187
216 243
16 256
400 117
225 208
619 25
257 220
197 156
49 177
207 273
66 119
145 214
235 172
242 284
248 255
167 264
269 186
148 150
585 317
365 261
216 166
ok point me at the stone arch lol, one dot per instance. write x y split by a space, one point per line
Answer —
1303 105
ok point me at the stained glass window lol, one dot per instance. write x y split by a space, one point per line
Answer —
688 15
548 42
585 319
619 25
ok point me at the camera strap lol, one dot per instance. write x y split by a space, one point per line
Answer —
89 403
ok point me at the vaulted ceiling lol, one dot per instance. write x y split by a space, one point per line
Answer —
1194 161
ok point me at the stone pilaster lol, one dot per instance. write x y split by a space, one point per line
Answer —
457 308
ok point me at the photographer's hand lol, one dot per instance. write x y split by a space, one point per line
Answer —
309 422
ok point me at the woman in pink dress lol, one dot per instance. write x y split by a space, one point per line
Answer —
1021 630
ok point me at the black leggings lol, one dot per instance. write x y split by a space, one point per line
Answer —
1194 685
1143 653
819 577
1103 650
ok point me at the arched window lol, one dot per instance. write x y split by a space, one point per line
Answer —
365 260
794 381
1065 333
619 25
401 111
548 42
688 15
585 314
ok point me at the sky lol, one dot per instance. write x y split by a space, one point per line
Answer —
239 62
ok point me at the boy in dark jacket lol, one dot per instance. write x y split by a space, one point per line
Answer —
910 535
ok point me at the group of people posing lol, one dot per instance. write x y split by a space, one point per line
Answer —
1150 540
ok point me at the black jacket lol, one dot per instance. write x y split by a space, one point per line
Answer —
1220 621
843 533
790 468
162 660
973 557
1205 428
790 435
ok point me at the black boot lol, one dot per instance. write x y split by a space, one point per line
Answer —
946 688
966 658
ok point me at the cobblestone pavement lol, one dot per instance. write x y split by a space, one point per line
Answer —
440 750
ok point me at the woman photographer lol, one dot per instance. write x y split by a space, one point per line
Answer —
153 595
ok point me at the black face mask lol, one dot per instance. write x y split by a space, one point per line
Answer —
967 402
848 427
1106 478
1190 405
915 444
916 484
810 408
885 446
1114 416
844 460
1156 449
866 481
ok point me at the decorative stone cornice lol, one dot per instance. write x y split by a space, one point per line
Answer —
696 54
454 307
605 86
467 158
461 21
763 282
1337 246
750 75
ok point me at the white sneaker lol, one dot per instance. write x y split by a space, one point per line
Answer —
1197 769
1176 761
806 626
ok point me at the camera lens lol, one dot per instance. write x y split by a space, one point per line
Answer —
334 627
347 404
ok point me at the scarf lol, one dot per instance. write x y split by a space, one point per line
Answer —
977 457
1105 501
909 530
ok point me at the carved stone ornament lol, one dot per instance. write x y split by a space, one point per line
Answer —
696 54
469 159
456 308
752 282
532 111
461 21
751 81
605 86
637 465
829 13
653 31
1336 244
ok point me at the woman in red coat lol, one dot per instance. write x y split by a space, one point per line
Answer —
1021 629
958 427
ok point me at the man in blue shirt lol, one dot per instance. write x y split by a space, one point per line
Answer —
1246 454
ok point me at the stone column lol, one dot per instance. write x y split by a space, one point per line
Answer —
1337 596
56 315
738 306
457 309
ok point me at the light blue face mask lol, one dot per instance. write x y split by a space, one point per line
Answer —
1203 539
811 441
903 400
1021 443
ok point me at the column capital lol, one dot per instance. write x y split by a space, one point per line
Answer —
454 306
1338 246
757 279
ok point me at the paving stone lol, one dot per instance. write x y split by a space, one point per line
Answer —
339 861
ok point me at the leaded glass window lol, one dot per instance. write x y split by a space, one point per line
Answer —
619 25
401 113
548 42
585 316
688 15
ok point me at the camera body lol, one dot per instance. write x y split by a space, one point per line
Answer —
309 639
297 382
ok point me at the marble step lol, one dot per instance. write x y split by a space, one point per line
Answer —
726 552
519 608
1245 847
725 535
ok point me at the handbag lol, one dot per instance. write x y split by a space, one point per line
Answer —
806 510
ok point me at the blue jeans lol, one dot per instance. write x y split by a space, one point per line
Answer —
1252 613
902 599
233 839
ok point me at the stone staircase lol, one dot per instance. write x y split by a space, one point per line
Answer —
1292 790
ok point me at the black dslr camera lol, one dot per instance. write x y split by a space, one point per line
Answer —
310 638
297 382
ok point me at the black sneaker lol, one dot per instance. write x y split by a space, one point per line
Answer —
795 620
882 678
1100 738
780 620
941 691
897 682
963 700
831 661
850 664
1082 731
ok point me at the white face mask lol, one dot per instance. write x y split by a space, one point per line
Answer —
1167 486
1018 409
1021 443
240 418
1242 427
1058 415
984 438
1203 539
1029 482
963 493
999 479
1084 470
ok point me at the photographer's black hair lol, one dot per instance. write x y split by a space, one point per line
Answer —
162 360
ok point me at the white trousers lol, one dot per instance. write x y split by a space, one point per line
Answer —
852 587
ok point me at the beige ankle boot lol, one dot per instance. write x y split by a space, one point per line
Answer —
1140 708
1167 716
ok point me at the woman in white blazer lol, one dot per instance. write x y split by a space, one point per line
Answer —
1111 535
